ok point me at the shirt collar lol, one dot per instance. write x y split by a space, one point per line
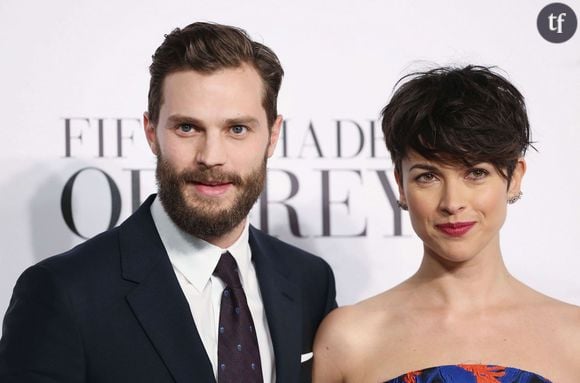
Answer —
193 257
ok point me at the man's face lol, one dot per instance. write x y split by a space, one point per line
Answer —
212 142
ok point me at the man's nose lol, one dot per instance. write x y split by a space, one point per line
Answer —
211 151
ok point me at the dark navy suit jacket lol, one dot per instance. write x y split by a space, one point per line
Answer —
112 310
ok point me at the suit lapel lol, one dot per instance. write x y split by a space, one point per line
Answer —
282 304
158 301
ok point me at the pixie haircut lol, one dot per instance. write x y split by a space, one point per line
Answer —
457 116
207 48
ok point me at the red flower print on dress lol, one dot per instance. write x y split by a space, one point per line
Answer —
411 377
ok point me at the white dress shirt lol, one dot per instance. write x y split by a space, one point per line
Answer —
194 261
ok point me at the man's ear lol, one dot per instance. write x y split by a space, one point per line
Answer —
515 186
149 128
274 135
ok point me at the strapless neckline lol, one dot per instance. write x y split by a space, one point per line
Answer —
470 373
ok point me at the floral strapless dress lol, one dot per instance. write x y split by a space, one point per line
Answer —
470 373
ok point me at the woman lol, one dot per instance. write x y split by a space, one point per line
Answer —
457 137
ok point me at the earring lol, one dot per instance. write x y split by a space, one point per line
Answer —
402 205
515 198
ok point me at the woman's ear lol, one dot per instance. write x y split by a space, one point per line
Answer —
399 179
515 186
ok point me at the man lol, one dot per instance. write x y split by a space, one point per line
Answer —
185 290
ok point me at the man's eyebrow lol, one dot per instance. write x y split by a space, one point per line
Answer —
175 118
244 120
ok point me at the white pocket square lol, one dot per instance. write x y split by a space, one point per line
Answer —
306 357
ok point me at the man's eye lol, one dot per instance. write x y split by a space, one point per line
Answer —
238 129
186 128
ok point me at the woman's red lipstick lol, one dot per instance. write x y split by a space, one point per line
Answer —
456 229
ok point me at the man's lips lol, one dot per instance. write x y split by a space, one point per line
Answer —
212 188
455 229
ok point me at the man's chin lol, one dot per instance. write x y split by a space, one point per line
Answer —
209 206
207 224
209 215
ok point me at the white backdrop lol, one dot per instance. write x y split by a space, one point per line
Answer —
84 64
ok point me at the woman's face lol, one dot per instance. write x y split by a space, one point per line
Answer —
456 211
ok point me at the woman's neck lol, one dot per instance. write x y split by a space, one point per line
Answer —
474 284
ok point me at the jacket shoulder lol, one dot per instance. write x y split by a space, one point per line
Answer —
87 255
285 252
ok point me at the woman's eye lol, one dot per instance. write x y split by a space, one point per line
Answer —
238 129
426 177
477 173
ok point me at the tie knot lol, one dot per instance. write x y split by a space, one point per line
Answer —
227 270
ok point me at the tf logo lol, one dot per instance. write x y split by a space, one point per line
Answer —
557 22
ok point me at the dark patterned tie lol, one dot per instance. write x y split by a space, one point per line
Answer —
238 354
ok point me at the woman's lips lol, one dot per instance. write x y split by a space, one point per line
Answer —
211 189
456 229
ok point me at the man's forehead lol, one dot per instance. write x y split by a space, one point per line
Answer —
227 82
244 69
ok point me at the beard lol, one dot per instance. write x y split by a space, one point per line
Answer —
206 217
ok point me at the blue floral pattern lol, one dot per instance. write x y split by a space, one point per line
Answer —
470 373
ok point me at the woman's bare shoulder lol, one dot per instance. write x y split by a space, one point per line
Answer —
566 316
376 308
346 337
335 345
553 309
353 324
342 327
560 322
563 326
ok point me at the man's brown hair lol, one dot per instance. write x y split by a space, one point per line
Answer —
206 48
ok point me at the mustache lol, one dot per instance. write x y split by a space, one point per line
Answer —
208 176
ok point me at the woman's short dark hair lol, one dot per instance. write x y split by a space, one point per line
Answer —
208 47
457 115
